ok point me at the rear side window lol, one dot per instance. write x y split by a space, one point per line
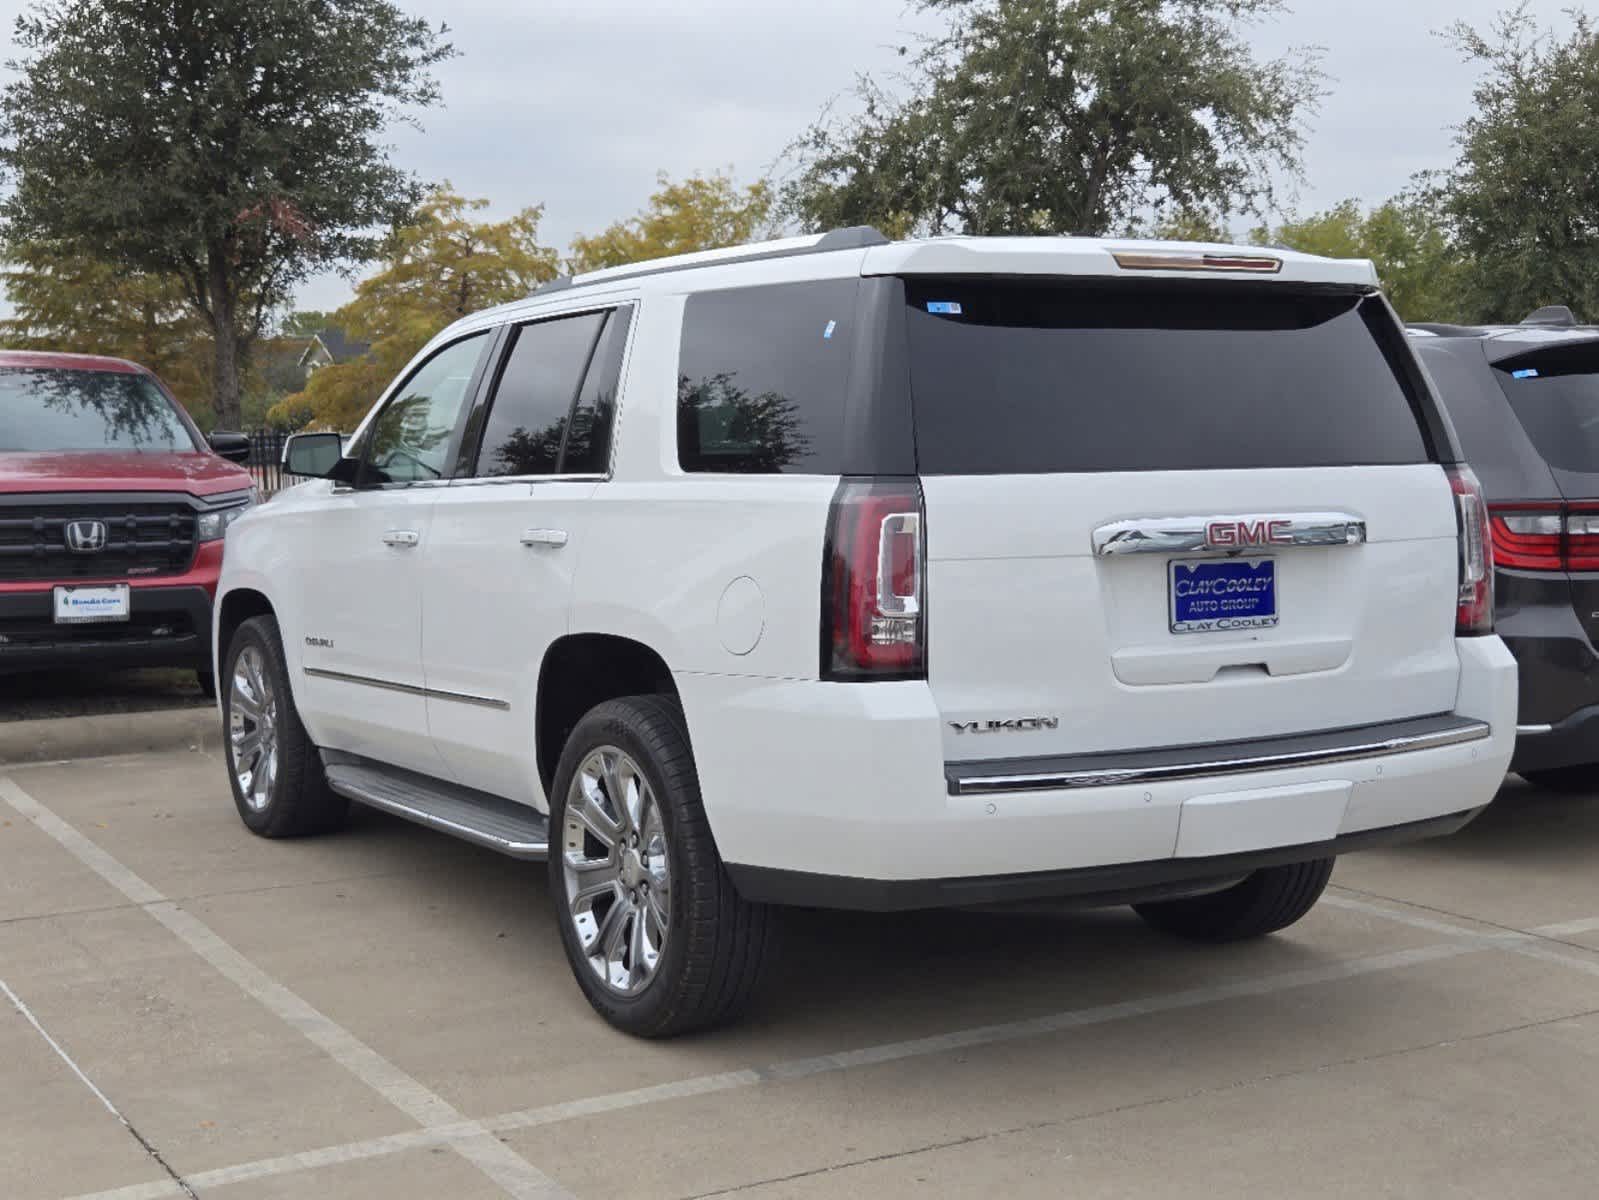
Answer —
1015 377
1555 395
553 406
761 378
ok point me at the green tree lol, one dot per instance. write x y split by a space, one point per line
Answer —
1421 269
229 144
699 213
439 268
1523 195
1063 116
302 323
61 300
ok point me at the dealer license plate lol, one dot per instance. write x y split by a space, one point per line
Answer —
1219 594
86 605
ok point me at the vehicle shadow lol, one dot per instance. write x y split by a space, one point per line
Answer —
878 976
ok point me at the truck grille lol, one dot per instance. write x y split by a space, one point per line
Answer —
138 538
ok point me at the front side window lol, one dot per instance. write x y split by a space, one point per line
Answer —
44 409
762 376
409 442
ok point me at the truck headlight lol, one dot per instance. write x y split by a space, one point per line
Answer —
213 525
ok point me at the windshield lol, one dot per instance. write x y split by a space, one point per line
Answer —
1555 393
87 410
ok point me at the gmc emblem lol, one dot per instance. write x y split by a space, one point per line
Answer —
1230 535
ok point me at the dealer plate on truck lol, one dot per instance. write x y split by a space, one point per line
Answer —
86 605
1215 595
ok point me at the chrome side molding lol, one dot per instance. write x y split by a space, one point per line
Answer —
410 689
1250 531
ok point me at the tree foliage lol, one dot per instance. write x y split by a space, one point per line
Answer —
1063 116
435 270
229 144
699 213
68 301
1524 192
1420 268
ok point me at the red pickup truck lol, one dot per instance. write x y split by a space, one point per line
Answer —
113 508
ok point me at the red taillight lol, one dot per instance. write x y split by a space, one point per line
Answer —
1474 609
1531 536
872 581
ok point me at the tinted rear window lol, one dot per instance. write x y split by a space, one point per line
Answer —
1555 395
761 378
1013 377
87 410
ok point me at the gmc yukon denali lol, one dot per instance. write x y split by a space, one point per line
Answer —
844 572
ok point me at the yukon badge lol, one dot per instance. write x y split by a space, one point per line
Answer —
1012 725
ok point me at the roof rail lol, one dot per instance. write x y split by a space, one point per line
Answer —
1551 314
855 237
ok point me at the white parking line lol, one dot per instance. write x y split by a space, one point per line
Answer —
515 1175
803 1068
1534 943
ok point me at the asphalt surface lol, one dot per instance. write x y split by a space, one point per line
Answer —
189 1010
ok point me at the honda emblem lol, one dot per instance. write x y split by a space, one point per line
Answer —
86 537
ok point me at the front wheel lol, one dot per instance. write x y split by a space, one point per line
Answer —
276 773
1268 900
659 939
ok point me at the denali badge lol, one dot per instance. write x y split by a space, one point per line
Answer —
320 643
1013 725
85 537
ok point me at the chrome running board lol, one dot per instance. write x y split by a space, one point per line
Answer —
477 817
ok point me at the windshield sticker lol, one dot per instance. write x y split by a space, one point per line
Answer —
1525 373
950 308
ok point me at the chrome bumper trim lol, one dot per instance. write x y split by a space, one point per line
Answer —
1362 744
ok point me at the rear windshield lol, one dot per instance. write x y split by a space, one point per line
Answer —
87 410
1012 377
1555 395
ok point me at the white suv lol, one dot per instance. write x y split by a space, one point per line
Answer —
842 572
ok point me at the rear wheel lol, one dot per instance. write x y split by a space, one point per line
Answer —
1584 777
660 941
276 772
1268 900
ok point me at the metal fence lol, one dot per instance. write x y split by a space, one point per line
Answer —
266 461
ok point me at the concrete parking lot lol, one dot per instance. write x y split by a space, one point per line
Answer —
191 1011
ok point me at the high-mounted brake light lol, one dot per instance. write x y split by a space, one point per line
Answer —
1545 536
1474 606
873 617
1170 260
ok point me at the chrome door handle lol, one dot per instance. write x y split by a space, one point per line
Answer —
401 537
544 537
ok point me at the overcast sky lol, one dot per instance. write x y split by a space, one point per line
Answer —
576 104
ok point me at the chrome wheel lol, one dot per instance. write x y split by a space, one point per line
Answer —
614 860
253 728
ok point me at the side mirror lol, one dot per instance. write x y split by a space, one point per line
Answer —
313 455
235 447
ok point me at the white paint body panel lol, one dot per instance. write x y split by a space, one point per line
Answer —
1023 621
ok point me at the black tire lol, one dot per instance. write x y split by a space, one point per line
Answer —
1584 777
297 800
716 943
1268 900
208 684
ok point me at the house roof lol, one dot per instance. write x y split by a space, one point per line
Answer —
339 348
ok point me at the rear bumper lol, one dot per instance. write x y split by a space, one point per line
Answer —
1085 887
1559 670
818 790
167 627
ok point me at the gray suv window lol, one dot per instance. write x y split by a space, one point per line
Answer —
1014 377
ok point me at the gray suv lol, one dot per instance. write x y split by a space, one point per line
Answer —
1524 400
